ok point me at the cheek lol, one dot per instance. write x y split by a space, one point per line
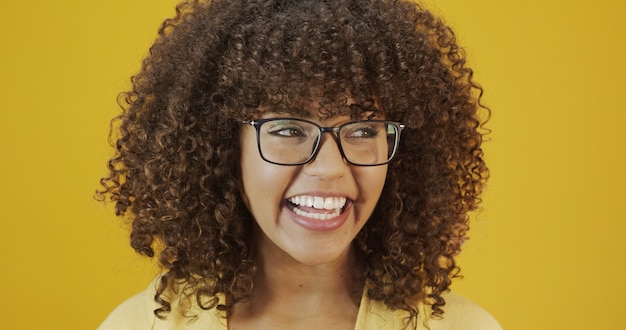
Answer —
371 181
263 183
259 180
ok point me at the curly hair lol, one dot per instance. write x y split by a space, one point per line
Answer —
176 174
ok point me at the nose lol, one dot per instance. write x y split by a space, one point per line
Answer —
328 162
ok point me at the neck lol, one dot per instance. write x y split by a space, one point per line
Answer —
286 289
280 274
283 274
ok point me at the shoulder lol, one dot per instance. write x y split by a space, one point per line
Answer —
136 312
461 313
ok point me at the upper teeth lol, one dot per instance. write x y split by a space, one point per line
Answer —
328 203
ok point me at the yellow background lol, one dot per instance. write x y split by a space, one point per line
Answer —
547 252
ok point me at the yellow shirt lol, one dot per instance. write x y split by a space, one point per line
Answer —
137 313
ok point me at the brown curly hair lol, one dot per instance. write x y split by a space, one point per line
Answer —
176 172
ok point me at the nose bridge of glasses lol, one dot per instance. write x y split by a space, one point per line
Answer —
334 135
333 131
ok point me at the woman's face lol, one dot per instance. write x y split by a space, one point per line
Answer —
343 196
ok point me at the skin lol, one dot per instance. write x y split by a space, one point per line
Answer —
301 269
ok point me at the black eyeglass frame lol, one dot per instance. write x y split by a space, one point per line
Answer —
257 123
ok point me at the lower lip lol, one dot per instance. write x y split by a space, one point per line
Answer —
320 225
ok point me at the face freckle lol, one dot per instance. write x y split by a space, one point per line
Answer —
309 213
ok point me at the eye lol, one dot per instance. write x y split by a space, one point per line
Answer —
288 132
285 128
361 130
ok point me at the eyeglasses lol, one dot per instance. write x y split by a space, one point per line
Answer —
291 141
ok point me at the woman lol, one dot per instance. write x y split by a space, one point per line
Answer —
300 165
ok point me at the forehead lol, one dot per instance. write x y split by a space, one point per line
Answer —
322 106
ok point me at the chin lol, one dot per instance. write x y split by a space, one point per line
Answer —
318 256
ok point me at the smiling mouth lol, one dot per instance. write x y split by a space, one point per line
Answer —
318 208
